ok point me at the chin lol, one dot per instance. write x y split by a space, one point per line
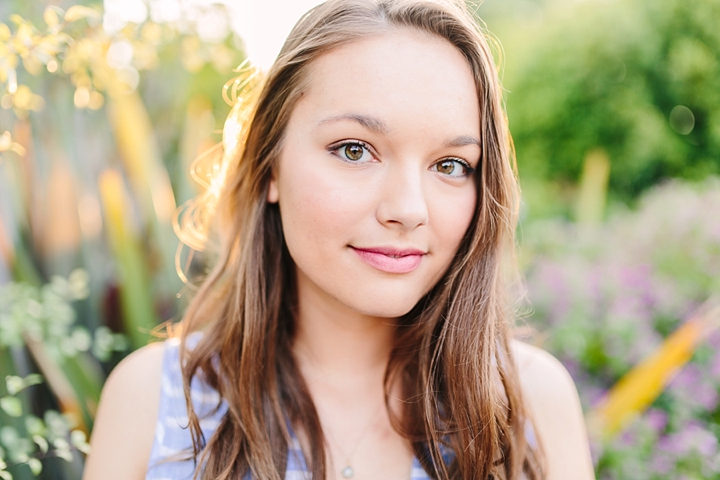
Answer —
383 306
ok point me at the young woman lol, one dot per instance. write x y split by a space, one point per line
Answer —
355 324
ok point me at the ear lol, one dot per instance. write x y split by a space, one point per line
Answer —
272 192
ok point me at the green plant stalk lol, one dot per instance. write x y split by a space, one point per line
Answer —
592 194
135 295
140 152
22 266
76 381
87 380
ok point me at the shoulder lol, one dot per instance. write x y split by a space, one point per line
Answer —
551 396
124 427
543 378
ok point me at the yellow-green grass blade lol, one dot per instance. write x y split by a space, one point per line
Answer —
75 381
140 153
135 294
592 191
637 389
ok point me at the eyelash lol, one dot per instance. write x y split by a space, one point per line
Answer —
334 149
468 169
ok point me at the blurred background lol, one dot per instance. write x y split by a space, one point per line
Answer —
614 106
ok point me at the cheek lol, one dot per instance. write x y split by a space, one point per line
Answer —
317 208
451 217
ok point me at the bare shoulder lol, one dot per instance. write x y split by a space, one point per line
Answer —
554 404
125 422
543 377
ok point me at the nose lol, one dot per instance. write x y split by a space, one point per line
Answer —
403 203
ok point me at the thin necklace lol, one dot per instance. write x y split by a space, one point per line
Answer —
348 471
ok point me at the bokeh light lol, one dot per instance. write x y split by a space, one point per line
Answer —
262 26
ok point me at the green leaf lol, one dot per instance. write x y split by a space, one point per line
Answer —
65 455
57 424
34 425
9 436
77 437
79 441
51 16
35 466
41 443
76 12
17 19
79 280
33 379
5 475
61 444
14 384
5 33
11 405
81 339
135 293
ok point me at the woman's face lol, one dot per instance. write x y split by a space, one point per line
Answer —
374 182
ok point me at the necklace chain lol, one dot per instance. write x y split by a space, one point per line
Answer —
347 471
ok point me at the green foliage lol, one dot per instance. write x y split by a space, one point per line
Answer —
606 296
34 438
620 77
60 135
634 78
44 316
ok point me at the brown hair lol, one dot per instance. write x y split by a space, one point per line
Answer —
452 356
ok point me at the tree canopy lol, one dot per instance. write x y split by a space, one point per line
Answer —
638 79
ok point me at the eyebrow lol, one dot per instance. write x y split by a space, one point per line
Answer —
378 126
461 141
373 124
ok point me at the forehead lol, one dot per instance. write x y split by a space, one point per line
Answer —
406 78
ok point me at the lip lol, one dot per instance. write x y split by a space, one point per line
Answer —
390 259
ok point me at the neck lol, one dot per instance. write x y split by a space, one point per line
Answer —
342 355
336 345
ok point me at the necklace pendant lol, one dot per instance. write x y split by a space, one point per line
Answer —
347 472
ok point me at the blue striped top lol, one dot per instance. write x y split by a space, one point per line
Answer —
172 437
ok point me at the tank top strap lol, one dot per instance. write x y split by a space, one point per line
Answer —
171 454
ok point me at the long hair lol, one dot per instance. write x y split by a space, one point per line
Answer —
452 358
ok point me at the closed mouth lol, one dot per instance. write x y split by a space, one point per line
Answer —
391 252
391 259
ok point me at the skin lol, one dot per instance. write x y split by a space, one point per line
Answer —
410 98
393 196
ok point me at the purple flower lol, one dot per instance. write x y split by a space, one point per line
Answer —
661 463
691 438
657 419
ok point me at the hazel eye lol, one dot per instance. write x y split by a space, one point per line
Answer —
352 152
453 167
